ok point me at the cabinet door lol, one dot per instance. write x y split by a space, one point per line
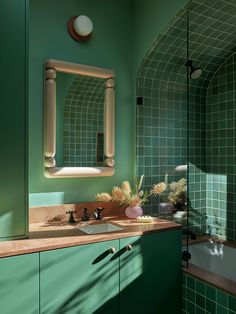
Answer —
150 274
71 283
19 284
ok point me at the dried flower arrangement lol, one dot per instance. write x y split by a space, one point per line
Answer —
125 195
175 193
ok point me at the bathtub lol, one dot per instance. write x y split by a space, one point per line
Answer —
209 279
215 258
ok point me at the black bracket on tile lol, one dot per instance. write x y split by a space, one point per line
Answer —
139 100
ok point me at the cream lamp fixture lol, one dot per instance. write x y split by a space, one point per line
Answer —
80 27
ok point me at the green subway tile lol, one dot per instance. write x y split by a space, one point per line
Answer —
211 293
190 308
200 287
232 303
200 310
190 295
221 310
200 300
210 306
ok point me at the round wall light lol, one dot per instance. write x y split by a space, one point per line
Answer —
80 27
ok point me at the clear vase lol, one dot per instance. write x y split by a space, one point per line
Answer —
133 212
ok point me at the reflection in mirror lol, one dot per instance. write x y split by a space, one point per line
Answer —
79 120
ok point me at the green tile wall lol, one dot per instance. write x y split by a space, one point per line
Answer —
164 123
197 161
201 298
162 119
83 119
221 151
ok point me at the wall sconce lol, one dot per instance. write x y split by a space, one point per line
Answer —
80 27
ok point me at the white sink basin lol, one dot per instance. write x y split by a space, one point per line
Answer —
100 228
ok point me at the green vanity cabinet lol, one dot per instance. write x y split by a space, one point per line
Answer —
143 276
150 274
19 284
71 284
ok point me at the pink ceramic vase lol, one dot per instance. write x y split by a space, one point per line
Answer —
133 212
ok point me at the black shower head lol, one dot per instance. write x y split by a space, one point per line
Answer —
194 72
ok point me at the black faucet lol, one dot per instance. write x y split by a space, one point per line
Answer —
98 213
85 216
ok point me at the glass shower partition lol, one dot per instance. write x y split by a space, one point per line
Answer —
162 121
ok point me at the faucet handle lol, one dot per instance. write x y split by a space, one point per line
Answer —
71 218
98 213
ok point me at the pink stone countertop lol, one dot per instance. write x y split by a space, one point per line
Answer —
45 236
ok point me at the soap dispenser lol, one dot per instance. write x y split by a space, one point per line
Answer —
85 216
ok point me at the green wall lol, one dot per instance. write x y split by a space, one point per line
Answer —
119 42
110 47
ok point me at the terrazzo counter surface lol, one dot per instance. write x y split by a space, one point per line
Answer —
45 236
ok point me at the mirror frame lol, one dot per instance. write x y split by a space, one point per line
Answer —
51 67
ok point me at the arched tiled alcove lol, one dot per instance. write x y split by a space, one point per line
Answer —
165 123
83 120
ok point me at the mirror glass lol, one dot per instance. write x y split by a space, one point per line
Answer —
78 120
